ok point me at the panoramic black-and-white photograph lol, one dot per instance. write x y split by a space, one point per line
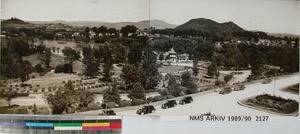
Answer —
150 57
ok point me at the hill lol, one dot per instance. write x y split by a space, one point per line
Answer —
13 21
207 25
159 24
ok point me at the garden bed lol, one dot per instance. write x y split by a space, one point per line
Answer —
294 89
272 104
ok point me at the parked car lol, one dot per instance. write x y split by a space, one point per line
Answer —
168 104
107 112
239 87
146 110
242 87
187 99
225 90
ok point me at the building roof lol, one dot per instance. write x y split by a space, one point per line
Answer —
183 56
172 51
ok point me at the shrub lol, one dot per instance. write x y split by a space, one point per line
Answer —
43 110
70 110
125 103
33 76
63 68
164 92
83 109
30 107
111 105
158 98
170 96
150 99
39 68
220 83
93 106
136 102
21 110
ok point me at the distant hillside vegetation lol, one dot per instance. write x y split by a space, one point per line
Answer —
14 21
207 25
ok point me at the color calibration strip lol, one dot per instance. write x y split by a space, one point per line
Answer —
48 123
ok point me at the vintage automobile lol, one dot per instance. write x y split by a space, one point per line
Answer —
146 110
187 99
239 87
107 112
225 90
168 104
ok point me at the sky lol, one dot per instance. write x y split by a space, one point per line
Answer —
75 10
278 16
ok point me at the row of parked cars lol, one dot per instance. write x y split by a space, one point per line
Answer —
168 104
151 109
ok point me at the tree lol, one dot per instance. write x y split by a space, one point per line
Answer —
111 94
119 53
217 74
130 75
91 64
212 70
24 68
67 96
108 62
175 89
195 67
58 48
41 48
228 77
102 30
112 31
128 29
135 54
39 68
297 41
45 57
70 55
149 75
137 92
91 68
53 49
9 95
18 46
95 29
188 82
34 110
161 57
